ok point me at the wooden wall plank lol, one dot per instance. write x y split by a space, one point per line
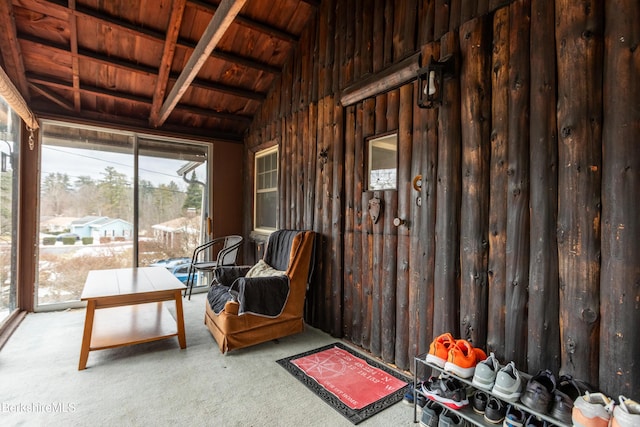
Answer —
475 78
620 195
416 250
426 14
446 287
336 221
543 344
388 276
425 294
579 54
327 210
405 198
350 260
517 248
441 21
498 182
359 218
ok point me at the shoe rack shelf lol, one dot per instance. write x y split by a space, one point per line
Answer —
467 412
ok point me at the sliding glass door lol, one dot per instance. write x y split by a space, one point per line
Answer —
112 200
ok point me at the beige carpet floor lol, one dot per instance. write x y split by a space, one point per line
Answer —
157 384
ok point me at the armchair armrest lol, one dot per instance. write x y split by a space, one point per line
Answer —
265 296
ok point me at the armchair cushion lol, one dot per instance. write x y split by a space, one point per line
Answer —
262 269
261 290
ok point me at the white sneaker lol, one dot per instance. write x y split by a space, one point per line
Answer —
508 384
592 410
626 413
486 371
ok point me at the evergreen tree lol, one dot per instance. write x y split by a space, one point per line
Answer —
194 194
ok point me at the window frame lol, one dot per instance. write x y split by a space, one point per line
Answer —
257 155
368 146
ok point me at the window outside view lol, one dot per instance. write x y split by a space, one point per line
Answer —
9 148
91 211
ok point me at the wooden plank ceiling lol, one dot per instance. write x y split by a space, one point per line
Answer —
194 67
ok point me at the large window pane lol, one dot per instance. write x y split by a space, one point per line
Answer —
112 200
86 209
9 149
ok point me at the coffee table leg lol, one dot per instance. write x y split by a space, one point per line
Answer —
180 320
86 336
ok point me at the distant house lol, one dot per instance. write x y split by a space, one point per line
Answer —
56 224
101 226
173 232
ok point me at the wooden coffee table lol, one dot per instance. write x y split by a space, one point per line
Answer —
125 307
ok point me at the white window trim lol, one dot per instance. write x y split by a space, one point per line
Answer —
259 154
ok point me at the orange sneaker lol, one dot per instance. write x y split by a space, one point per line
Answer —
439 349
462 359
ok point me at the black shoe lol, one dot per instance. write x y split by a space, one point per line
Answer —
539 391
494 411
566 393
479 401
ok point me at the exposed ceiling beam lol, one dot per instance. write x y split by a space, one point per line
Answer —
249 23
134 67
220 22
10 48
53 97
173 29
149 34
119 96
92 118
73 42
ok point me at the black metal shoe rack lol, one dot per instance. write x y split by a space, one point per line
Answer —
467 413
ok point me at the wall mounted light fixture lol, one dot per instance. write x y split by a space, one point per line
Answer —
431 79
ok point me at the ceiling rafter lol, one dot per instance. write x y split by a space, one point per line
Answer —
155 36
106 93
73 44
53 97
250 23
173 30
134 67
220 22
10 48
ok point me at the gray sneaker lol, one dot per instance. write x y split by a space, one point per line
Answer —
508 384
486 371
430 414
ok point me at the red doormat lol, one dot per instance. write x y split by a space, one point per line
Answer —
353 384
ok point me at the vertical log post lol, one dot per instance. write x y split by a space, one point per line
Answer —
336 222
517 249
620 275
446 287
579 49
350 236
475 78
359 218
405 199
428 192
543 337
498 180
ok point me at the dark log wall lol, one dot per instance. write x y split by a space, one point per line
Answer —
523 236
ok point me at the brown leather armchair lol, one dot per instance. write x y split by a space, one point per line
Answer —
248 305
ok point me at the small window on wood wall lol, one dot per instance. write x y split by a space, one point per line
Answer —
266 190
382 164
